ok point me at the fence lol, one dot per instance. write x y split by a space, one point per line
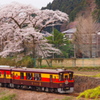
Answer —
79 62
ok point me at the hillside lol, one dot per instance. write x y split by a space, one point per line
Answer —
76 7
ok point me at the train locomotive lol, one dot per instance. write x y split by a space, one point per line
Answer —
49 80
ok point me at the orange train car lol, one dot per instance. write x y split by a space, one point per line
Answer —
60 81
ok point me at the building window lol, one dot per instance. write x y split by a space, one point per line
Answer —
70 36
94 40
87 38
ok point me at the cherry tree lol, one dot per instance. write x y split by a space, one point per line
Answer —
21 27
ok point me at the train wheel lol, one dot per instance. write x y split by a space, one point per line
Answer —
1 84
43 89
17 86
51 90
33 88
55 90
11 85
4 85
39 89
22 86
8 85
28 87
46 89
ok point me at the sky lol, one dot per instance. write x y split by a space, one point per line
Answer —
36 3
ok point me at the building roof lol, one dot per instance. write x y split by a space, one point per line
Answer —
98 33
4 66
41 70
72 30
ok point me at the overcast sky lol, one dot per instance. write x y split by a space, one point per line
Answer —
35 3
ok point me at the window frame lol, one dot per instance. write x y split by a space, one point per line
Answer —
37 76
29 76
21 75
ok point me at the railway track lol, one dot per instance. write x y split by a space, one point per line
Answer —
36 95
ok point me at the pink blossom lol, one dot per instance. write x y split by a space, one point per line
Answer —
20 29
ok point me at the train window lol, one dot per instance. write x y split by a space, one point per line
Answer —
61 77
7 75
54 78
66 77
21 75
29 76
70 76
16 75
37 76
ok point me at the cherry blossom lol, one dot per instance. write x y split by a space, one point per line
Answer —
21 27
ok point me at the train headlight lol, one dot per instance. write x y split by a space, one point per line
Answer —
66 82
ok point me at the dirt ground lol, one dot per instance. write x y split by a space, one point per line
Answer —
33 95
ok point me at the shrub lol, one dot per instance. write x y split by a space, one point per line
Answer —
26 62
98 75
43 66
91 93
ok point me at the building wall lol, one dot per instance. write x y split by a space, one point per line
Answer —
70 62
86 43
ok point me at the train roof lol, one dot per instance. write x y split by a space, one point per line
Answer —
4 68
52 71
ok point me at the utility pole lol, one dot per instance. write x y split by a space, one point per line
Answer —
74 59
53 36
74 50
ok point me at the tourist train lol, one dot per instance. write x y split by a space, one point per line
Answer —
49 80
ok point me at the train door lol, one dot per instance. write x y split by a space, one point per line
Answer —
51 80
4 77
4 74
60 76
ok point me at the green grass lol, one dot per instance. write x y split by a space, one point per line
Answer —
3 92
67 98
8 97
